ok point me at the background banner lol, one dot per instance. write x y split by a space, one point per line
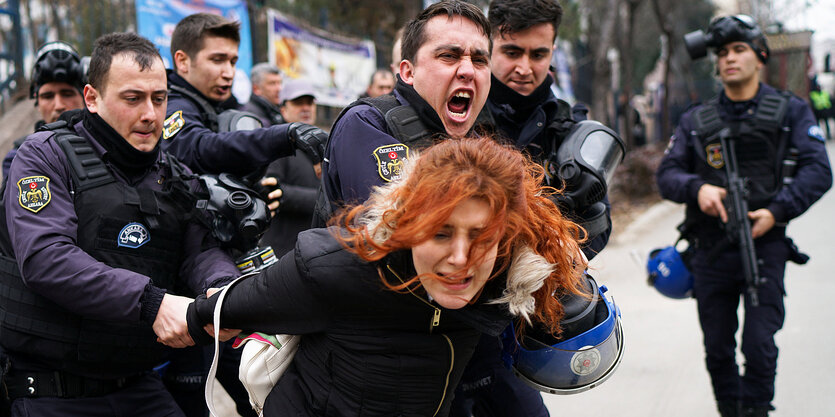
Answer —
156 20
339 68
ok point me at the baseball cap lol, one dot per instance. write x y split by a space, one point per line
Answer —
294 89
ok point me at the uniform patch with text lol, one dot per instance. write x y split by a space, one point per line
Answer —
714 155
33 193
173 124
390 160
815 132
133 235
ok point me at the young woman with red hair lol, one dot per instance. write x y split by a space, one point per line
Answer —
392 299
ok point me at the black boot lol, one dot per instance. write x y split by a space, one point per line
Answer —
728 408
760 411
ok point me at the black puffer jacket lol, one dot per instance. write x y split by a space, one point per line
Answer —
367 350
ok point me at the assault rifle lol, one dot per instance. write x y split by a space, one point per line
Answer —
738 228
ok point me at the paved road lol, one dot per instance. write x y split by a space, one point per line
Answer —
662 373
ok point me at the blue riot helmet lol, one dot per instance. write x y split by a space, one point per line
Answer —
56 62
587 352
668 273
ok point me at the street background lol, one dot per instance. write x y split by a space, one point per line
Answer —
663 372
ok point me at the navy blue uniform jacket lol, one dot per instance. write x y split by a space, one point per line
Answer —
187 137
55 267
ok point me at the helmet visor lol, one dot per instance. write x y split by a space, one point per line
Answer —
576 365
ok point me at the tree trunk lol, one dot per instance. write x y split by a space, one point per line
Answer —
628 65
33 33
56 20
667 54
600 45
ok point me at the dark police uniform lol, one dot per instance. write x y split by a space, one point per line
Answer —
190 134
533 123
267 112
694 158
97 248
365 151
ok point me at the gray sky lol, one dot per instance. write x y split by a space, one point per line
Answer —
818 15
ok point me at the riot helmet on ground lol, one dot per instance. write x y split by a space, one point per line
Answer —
56 62
726 29
586 353
668 273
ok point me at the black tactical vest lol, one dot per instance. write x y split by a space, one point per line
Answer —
134 228
760 146
761 142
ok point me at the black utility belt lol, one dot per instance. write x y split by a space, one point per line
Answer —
23 384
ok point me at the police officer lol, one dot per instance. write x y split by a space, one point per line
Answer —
765 123
56 85
442 85
266 94
522 108
97 238
204 50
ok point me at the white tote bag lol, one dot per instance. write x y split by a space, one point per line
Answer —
264 359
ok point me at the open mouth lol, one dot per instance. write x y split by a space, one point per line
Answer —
455 282
459 104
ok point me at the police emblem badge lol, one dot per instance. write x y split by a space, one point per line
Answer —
390 160
585 362
714 155
133 235
173 124
33 193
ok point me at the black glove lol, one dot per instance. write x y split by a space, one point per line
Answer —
309 139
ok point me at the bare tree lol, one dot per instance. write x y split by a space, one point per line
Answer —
662 8
56 19
33 34
602 19
628 9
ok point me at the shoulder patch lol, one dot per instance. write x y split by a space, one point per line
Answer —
133 235
173 124
390 160
815 132
33 193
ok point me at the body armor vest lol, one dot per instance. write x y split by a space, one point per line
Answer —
134 228
402 122
760 145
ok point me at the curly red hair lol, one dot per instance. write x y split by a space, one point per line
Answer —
411 211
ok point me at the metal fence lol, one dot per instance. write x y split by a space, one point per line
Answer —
11 54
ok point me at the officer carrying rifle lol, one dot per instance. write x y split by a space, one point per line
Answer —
781 169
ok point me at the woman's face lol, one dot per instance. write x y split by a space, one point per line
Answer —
447 252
